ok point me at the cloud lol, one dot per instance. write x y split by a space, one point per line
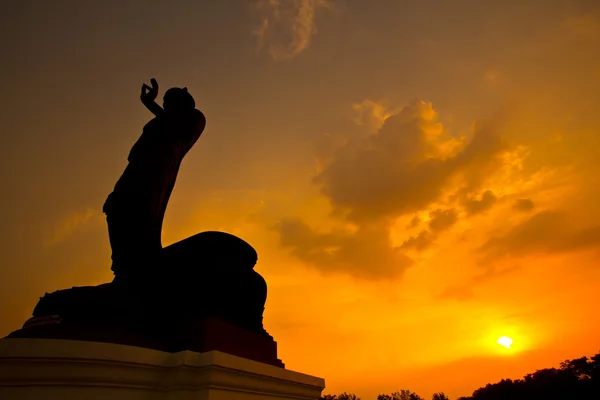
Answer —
476 206
326 146
464 291
287 26
524 205
544 232
420 242
69 225
365 253
440 220
406 165
414 222
372 114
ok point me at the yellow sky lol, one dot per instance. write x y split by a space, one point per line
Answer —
419 178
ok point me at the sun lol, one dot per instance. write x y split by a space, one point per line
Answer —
505 341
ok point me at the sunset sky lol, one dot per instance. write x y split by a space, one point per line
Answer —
419 177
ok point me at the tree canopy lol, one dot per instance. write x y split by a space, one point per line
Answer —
577 379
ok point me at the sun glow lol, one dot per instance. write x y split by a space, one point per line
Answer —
505 341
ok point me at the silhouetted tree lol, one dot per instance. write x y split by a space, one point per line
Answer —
343 396
328 397
401 395
577 379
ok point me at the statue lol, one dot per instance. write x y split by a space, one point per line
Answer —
135 209
199 294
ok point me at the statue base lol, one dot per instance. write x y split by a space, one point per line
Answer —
197 335
72 370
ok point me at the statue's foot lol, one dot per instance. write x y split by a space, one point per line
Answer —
76 303
107 302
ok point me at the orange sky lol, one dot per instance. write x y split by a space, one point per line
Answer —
419 178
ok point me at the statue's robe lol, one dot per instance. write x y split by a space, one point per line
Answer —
135 209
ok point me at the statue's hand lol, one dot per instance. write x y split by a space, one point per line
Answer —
149 94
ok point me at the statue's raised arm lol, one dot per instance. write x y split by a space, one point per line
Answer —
149 95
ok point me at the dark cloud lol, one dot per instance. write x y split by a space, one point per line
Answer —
400 168
583 238
414 222
420 242
544 232
476 206
367 253
524 205
440 221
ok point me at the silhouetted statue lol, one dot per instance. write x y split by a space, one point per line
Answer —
135 209
199 294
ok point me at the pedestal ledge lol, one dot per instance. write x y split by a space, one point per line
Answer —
52 369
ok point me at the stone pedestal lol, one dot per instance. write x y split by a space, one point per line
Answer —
52 369
165 334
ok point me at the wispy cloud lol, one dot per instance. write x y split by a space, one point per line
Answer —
372 114
69 225
366 253
524 205
544 232
464 291
287 26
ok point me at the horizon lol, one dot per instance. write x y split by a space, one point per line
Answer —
417 177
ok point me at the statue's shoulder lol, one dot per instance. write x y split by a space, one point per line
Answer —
199 119
199 115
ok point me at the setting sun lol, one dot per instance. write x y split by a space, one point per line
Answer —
505 341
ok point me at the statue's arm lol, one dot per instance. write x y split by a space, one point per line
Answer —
200 121
153 107
189 130
198 125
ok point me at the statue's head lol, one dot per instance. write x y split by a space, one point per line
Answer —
177 100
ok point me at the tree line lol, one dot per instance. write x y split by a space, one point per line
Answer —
577 379
401 395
